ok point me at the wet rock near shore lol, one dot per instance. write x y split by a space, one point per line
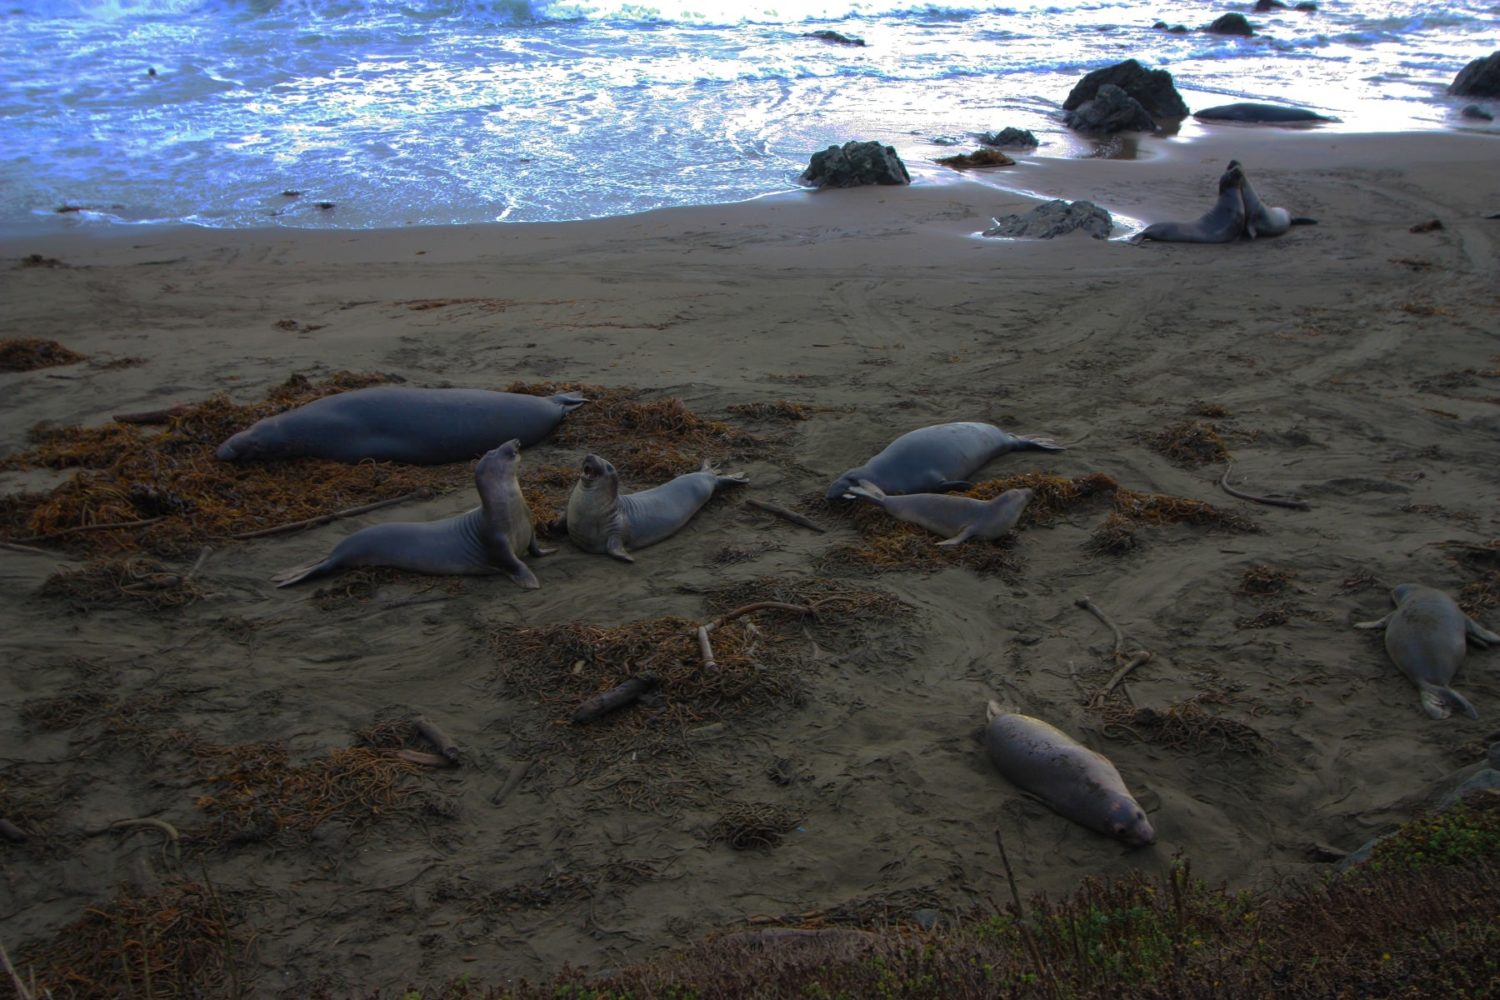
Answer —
1055 218
1110 110
1231 24
855 164
1480 78
1012 138
1153 89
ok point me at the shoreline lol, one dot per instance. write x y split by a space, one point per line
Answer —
1352 363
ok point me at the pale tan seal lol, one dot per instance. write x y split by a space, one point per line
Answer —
956 518
1426 637
1070 778
600 519
482 541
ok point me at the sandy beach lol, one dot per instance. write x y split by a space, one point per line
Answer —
1354 364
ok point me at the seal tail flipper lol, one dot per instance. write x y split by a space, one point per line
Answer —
993 709
866 490
1441 701
1376 624
616 549
1479 635
1039 444
1302 220
569 401
309 572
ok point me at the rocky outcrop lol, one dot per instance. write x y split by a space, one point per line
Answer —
836 38
1111 110
1151 88
1231 24
1013 138
855 164
1054 219
1174 29
1481 78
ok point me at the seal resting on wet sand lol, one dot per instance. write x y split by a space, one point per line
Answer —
1221 224
1071 779
957 519
936 459
482 541
1255 113
402 424
600 519
1426 637
1261 220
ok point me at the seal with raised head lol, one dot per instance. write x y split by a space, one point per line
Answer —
1071 779
1222 224
1261 220
957 519
600 519
937 459
1255 113
482 541
392 423
1426 637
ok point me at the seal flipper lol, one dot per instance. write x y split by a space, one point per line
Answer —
535 548
509 564
1378 624
865 490
616 549
569 401
962 536
311 571
1440 702
1479 635
1038 444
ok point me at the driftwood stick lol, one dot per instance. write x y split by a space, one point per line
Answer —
151 416
1015 895
21 991
423 758
198 563
729 616
706 648
78 529
312 522
616 697
27 549
159 824
1139 657
1273 501
782 512
518 772
1088 605
435 735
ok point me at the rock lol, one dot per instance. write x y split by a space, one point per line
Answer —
1307 7
855 164
978 158
1176 29
1111 110
1481 78
836 38
1013 137
1151 87
1266 6
1054 219
1231 24
1477 112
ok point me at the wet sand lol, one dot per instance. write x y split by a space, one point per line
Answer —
1357 364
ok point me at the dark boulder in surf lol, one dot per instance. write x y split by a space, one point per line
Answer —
1054 218
1175 29
1010 137
1481 78
1478 112
1151 88
855 164
836 38
1231 24
1110 110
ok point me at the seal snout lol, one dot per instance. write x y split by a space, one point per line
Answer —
594 467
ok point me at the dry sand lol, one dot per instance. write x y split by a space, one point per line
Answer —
1357 361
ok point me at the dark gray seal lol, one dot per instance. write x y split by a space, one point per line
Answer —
1263 220
1073 780
1222 224
1426 637
402 424
599 519
937 459
1251 112
482 541
957 519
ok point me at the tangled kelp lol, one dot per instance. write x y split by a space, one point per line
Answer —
1185 727
888 544
1192 442
779 409
744 825
1260 580
24 354
134 581
181 942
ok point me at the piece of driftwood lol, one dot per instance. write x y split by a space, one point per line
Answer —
518 772
1275 501
706 649
616 697
782 512
1127 662
312 522
424 758
434 735
80 528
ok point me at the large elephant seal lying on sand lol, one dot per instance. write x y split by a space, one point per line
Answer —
402 424
957 519
483 541
599 519
1069 777
1255 113
1427 636
937 459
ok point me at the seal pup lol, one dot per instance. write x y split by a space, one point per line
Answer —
1222 224
1071 779
1260 220
936 459
599 519
957 519
1426 637
402 424
482 541
1255 113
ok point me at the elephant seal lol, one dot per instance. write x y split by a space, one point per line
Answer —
599 519
957 519
402 424
1255 113
482 541
936 459
1260 220
1073 780
1426 638
1223 224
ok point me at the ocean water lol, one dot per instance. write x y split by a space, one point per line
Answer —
412 112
